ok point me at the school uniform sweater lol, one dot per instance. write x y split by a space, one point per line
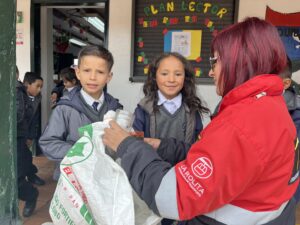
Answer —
71 113
187 124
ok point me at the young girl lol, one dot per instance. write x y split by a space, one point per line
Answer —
69 80
170 108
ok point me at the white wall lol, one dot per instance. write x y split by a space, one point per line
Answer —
23 59
119 43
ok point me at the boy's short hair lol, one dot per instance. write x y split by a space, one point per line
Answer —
287 71
98 51
68 74
31 77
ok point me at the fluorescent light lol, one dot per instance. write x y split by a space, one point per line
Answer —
77 42
96 22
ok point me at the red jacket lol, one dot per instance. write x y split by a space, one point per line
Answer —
244 161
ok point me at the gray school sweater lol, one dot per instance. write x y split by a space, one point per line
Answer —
71 113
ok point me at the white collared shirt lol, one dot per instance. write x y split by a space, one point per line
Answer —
90 100
171 105
70 88
31 98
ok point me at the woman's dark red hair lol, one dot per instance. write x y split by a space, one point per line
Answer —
248 49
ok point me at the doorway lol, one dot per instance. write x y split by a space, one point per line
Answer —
61 29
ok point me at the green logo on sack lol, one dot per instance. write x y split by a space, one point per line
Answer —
86 130
86 214
76 150
80 151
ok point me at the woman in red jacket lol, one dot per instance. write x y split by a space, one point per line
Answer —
243 170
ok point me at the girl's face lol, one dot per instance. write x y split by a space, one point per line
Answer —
170 77
215 72
69 84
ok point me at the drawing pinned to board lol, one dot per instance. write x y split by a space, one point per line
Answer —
140 42
181 43
146 69
185 42
140 59
288 25
198 72
199 59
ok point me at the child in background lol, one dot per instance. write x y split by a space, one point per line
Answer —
70 81
57 93
69 78
33 83
292 99
170 108
26 191
81 106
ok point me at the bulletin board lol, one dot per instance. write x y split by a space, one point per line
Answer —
183 26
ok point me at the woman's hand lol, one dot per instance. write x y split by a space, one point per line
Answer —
114 135
154 142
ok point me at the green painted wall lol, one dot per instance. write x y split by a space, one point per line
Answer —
8 190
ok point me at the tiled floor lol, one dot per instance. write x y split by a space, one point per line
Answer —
41 214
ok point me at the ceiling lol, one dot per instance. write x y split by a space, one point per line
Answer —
70 23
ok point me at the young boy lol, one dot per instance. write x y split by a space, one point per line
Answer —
33 83
81 106
292 98
26 191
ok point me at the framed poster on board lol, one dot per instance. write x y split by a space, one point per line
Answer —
183 26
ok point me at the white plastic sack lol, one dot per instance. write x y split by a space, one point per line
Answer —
94 189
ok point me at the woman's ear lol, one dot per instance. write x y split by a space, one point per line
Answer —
287 83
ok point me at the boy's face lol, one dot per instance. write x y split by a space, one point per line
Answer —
35 88
93 74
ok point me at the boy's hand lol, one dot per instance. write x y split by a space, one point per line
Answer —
29 143
154 142
53 97
114 135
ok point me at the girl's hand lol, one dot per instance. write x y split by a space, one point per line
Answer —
154 142
114 135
